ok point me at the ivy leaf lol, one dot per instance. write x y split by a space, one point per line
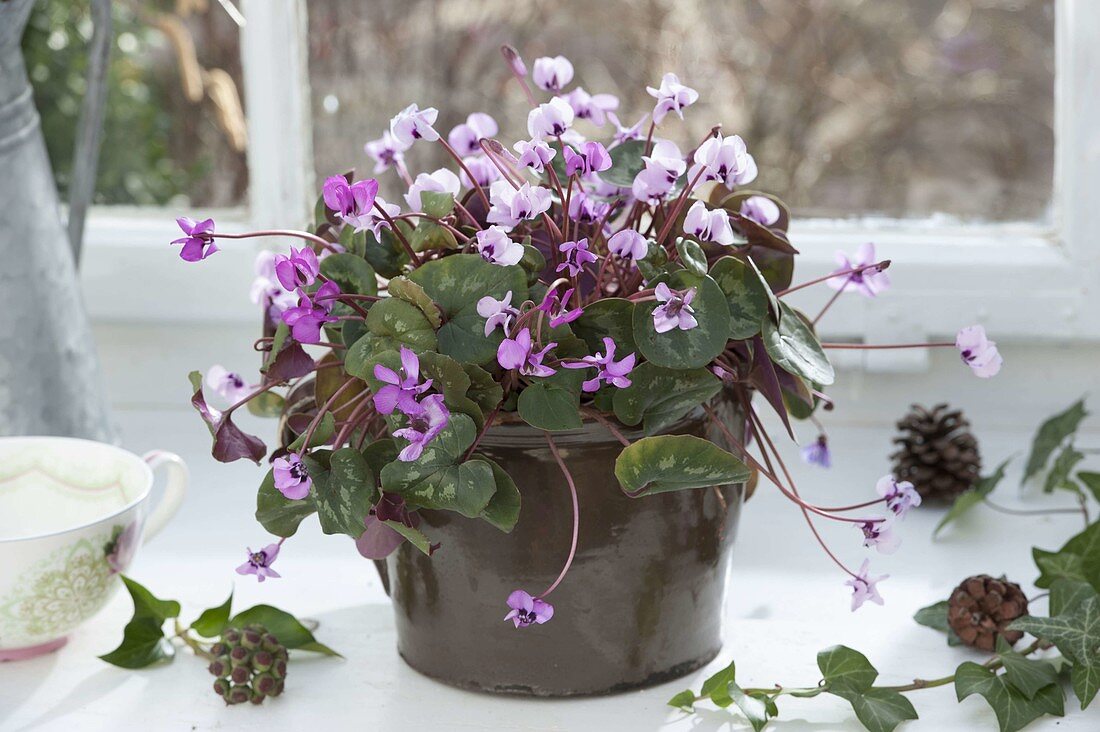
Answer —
1063 465
284 626
1029 675
843 665
935 617
716 687
1067 594
550 407
793 346
1013 708
212 621
1078 559
1051 434
676 462
972 497
143 642
685 701
1091 481
662 396
685 349
879 710
278 514
1077 636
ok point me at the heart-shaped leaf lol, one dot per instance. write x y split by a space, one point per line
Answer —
397 323
610 317
626 163
676 462
686 349
550 407
794 347
345 495
351 272
747 295
437 203
278 514
503 509
692 256
662 396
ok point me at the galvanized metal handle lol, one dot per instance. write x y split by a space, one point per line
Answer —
90 125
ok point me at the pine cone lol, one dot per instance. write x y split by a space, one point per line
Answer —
982 607
938 454
250 664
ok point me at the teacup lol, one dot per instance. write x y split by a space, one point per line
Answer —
72 515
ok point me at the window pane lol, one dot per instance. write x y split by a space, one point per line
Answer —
174 132
903 108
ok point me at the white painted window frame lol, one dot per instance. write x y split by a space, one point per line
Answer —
1023 281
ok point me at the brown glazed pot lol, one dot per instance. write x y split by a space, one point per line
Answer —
641 605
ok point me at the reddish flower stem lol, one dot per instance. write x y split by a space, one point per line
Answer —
576 514
399 234
313 424
458 159
884 264
280 232
876 347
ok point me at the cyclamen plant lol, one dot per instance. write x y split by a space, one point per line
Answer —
622 279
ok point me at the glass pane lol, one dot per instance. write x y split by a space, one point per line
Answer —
174 131
903 108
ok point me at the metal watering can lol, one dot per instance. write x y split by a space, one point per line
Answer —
49 373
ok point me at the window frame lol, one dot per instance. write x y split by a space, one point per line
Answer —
1024 281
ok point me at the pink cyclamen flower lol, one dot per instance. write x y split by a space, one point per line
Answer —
515 61
557 308
879 533
608 370
623 133
386 152
551 119
300 269
527 610
291 477
725 159
535 154
423 427
259 563
440 181
400 390
870 282
576 256
592 107
518 353
586 209
266 290
412 124
628 244
671 96
309 315
495 247
817 453
900 497
552 74
760 209
353 203
592 157
465 138
482 169
509 206
864 587
978 352
663 167
229 385
706 225
198 242
675 310
497 312
121 550
374 222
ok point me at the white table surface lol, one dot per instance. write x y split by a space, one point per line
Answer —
785 602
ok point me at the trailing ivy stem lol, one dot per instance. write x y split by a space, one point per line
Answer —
398 233
885 346
880 266
1027 512
184 635
280 232
991 665
473 181
576 513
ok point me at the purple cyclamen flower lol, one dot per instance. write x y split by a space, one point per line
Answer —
482 169
663 167
306 318
817 453
441 181
576 256
550 119
675 310
291 477
423 427
495 247
374 221
725 159
535 154
266 290
121 550
518 353
227 384
497 312
386 151
412 124
706 225
760 209
552 74
900 497
259 563
628 244
465 138
585 209
671 96
879 533
591 158
557 308
353 203
300 269
622 133
527 610
863 587
509 206
869 282
608 370
592 107
198 244
400 390
515 61
978 352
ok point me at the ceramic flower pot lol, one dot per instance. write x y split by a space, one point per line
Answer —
642 603
72 515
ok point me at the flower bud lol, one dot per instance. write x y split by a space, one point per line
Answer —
232 637
240 675
239 695
270 643
221 687
257 698
278 670
219 667
278 688
262 661
240 656
264 684
219 649
250 638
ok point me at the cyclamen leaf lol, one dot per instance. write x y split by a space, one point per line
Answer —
1013 708
747 295
550 407
626 163
503 508
663 396
230 442
676 462
685 349
794 347
345 496
398 323
277 513
351 272
692 256
1051 434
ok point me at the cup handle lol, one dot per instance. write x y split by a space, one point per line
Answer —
174 491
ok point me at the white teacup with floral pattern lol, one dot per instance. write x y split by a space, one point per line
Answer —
72 515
